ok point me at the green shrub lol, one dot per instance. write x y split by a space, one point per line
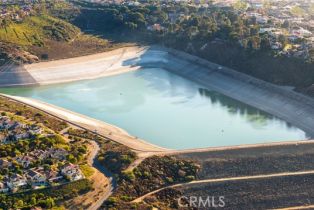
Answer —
189 178
128 175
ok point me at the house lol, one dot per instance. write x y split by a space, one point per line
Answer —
5 164
72 172
13 131
53 176
276 33
16 181
39 154
10 138
59 154
35 130
4 13
2 138
35 177
5 123
20 134
25 160
302 32
311 40
18 125
276 46
3 188
134 3
266 30
155 27
293 38
256 4
261 20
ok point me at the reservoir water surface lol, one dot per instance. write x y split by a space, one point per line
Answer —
166 110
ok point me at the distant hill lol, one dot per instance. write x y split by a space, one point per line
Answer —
44 37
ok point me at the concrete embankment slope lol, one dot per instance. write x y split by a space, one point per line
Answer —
104 129
288 105
73 69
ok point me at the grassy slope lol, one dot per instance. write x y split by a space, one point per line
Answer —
48 38
34 30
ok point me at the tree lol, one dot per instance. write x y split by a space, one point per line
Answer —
283 40
286 24
47 204
265 42
19 204
256 42
6 22
234 36
240 5
33 201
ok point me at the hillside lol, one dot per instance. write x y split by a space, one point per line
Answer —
220 36
44 37
35 29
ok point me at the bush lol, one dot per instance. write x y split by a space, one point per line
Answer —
111 201
128 175
189 178
44 56
46 198
87 170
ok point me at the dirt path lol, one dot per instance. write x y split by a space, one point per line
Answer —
297 208
104 189
136 163
102 186
205 181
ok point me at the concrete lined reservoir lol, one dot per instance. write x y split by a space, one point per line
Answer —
166 110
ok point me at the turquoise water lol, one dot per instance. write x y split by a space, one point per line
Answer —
166 110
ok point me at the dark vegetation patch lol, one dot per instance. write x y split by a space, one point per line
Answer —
254 161
265 193
153 173
114 156
269 193
216 168
45 198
